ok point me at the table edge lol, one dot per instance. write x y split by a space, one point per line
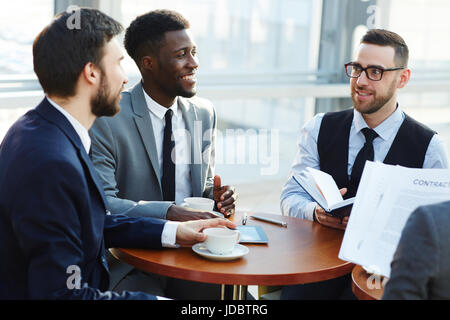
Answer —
359 292
238 279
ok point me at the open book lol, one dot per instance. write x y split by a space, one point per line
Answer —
386 197
322 188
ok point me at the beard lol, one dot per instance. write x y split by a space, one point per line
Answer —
377 103
104 103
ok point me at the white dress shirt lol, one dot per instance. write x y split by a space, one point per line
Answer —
169 234
296 202
183 185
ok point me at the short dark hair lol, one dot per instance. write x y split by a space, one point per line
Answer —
146 33
61 51
383 37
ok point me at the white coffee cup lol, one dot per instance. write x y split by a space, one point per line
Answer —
198 203
221 240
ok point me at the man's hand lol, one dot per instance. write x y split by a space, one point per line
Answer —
178 213
225 197
190 232
333 222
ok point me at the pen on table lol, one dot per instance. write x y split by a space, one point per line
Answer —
279 222
244 219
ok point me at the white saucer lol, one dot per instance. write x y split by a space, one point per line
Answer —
239 251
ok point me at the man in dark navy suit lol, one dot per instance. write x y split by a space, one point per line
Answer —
54 227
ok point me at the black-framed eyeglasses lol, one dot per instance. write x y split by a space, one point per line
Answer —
354 70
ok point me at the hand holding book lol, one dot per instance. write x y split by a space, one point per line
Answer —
333 221
323 189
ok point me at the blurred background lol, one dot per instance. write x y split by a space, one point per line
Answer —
268 66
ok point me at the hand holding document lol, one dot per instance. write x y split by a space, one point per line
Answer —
386 197
322 188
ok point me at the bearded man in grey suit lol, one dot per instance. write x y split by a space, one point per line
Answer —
160 148
421 265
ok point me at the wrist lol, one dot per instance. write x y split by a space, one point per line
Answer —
169 234
171 213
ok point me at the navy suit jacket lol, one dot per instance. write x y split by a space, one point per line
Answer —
52 215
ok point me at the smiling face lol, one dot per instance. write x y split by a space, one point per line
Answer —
371 96
174 69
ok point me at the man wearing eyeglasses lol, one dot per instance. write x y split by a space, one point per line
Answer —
375 129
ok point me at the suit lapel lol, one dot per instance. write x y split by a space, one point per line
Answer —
145 128
47 111
93 173
193 125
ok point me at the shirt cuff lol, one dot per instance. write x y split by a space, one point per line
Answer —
309 211
169 235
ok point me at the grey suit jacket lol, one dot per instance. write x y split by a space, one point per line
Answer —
421 265
125 157
124 154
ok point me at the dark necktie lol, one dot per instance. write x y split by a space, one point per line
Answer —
366 153
168 174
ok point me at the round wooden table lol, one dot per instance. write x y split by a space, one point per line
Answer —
366 286
304 252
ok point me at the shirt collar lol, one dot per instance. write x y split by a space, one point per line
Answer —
385 129
157 109
79 129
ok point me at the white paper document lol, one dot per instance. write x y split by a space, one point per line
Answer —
386 197
322 188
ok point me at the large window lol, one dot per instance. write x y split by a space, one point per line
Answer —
425 27
20 21
260 65
251 46
245 36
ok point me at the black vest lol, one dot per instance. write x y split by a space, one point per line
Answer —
408 148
